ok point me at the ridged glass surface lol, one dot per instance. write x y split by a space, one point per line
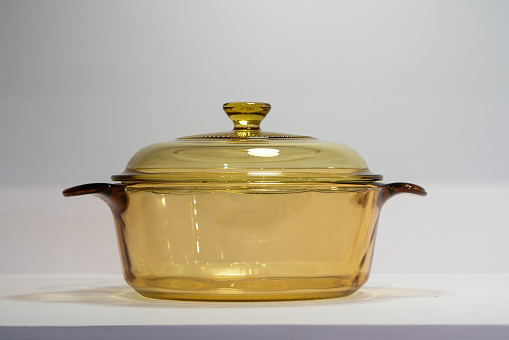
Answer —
254 242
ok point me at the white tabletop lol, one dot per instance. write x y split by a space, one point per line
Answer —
434 303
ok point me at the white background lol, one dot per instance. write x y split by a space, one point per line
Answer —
419 88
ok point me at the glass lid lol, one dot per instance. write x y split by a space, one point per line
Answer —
247 154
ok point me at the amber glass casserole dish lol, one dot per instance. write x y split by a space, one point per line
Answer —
246 215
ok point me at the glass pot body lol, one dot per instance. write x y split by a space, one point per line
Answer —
245 242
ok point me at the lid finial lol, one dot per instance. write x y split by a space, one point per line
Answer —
246 115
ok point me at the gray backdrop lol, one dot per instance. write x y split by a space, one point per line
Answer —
419 88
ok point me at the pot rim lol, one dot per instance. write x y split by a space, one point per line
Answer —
248 176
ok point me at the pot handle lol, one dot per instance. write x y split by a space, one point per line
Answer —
393 189
113 194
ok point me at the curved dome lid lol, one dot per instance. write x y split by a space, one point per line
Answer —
246 154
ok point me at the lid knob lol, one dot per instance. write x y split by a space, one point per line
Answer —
246 115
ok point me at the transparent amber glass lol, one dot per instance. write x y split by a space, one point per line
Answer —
246 215
248 242
246 154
